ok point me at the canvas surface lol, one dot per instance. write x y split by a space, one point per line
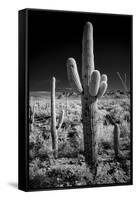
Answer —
79 130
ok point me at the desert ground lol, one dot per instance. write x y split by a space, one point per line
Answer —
70 169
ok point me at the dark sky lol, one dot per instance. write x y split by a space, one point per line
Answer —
55 36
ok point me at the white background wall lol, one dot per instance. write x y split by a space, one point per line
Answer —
9 98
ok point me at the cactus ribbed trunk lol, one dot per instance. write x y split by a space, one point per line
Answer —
53 119
89 112
88 102
93 87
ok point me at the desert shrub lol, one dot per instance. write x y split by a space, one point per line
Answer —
125 144
34 167
117 113
71 144
70 168
106 144
127 116
62 176
45 153
66 150
125 164
102 174
35 143
106 134
110 173
125 104
125 129
38 146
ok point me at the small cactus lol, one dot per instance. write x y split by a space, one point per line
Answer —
66 103
31 116
116 136
53 120
54 128
93 87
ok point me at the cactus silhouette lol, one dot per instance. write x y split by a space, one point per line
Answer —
53 120
92 88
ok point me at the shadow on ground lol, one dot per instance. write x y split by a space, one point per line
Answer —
13 184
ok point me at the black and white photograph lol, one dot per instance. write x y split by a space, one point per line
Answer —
79 99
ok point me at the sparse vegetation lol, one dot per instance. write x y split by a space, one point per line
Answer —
70 169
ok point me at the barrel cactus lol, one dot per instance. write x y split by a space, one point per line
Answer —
92 87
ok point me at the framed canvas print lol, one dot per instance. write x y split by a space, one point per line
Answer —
75 99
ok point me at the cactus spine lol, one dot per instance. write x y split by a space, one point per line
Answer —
53 120
93 87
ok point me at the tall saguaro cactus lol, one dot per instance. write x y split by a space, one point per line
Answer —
53 119
93 86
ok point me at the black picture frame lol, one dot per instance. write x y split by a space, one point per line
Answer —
29 29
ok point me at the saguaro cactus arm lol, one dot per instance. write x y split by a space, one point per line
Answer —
102 89
104 78
73 75
94 83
